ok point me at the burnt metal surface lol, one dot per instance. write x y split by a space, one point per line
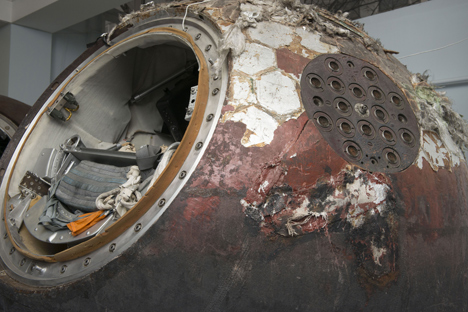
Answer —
361 113
205 254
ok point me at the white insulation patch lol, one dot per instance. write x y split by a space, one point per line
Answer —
277 93
242 90
260 126
272 34
362 196
311 41
436 153
254 59
377 253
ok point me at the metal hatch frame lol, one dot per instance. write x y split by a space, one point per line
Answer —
81 260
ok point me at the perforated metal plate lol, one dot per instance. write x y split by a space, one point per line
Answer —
361 113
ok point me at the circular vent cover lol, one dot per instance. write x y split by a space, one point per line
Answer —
361 113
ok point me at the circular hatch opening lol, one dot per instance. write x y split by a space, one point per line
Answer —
152 86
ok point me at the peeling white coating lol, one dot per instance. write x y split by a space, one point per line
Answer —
277 93
292 156
242 91
455 153
434 151
254 59
260 126
438 153
362 196
377 253
262 187
272 34
224 28
311 41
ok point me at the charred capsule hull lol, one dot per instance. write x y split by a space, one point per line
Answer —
301 182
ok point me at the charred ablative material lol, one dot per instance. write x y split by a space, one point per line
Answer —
353 202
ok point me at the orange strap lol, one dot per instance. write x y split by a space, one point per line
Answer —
86 221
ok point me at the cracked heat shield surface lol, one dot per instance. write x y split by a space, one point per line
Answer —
361 113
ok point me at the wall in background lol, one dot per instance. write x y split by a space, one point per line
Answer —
30 63
427 26
69 43
5 32
25 57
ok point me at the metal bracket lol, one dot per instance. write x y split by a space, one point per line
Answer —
67 104
191 105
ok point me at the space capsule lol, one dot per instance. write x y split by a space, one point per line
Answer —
235 156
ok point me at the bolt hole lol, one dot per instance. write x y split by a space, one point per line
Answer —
350 64
366 129
352 151
376 94
392 158
334 66
407 137
388 135
317 101
346 127
323 121
396 100
343 107
336 85
369 75
316 82
402 118
357 92
138 227
380 114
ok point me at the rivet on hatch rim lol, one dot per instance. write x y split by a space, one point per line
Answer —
208 48
215 91
63 269
209 117
199 145
137 227
162 202
23 262
87 261
198 36
12 250
112 247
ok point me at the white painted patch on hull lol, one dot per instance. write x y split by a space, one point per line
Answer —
254 59
260 126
